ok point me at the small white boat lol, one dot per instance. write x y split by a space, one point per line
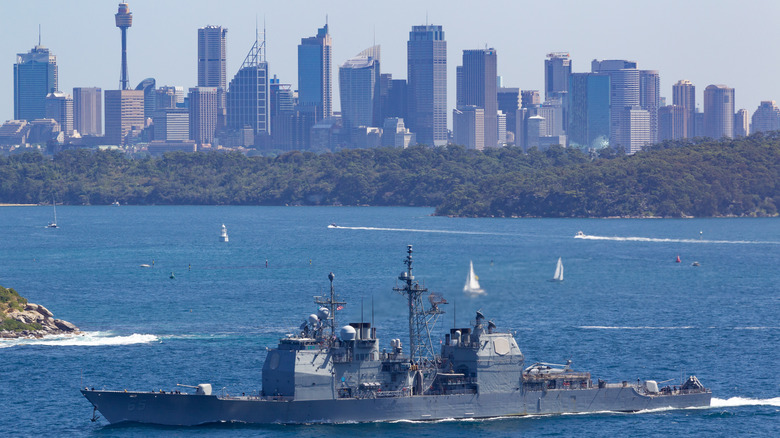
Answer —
333 225
115 203
223 236
54 223
558 276
579 235
472 282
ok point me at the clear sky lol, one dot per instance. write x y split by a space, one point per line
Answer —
707 42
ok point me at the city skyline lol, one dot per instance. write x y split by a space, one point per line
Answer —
174 61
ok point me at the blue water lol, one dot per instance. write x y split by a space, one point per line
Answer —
626 310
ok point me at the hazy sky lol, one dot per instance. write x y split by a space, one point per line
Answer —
707 42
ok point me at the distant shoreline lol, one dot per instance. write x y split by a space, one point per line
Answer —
18 205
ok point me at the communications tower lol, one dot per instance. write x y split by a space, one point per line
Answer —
124 19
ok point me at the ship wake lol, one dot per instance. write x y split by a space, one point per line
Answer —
85 339
664 240
413 230
742 401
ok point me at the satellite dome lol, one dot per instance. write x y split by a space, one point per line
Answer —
347 333
323 313
313 319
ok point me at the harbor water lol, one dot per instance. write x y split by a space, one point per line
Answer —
204 310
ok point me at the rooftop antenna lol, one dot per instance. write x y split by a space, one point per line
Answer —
426 18
39 34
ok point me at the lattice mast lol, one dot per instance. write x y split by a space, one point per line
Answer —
421 321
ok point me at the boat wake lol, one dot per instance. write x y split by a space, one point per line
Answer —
659 240
85 339
413 230
742 401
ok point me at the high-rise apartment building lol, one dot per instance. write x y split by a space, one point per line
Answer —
35 76
557 69
589 110
766 117
718 111
672 122
477 86
247 96
59 106
650 98
624 93
359 89
315 90
88 110
741 123
468 123
124 111
426 54
684 95
203 114
637 121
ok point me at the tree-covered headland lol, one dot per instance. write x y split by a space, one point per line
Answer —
700 178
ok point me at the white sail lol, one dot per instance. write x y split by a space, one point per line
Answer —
558 271
472 282
224 235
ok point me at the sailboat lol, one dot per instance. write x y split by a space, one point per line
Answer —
558 271
472 282
223 237
53 224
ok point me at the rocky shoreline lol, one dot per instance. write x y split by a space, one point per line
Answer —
37 314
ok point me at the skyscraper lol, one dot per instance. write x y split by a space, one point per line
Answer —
684 95
766 117
212 57
557 69
589 110
35 76
359 88
718 111
509 103
468 123
212 64
624 93
426 55
204 104
478 87
59 106
87 110
150 101
171 124
315 90
650 98
247 97
124 111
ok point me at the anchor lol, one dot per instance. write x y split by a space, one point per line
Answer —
95 416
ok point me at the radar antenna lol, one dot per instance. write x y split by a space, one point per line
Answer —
331 303
421 320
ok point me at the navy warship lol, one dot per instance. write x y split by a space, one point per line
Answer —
330 374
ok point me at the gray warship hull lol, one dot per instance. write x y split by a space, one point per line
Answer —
191 410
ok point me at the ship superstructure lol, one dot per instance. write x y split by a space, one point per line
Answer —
324 373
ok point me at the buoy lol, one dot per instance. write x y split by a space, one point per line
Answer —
678 259
172 276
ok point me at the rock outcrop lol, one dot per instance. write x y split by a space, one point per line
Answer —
37 314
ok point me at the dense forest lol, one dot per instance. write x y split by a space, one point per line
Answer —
673 179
